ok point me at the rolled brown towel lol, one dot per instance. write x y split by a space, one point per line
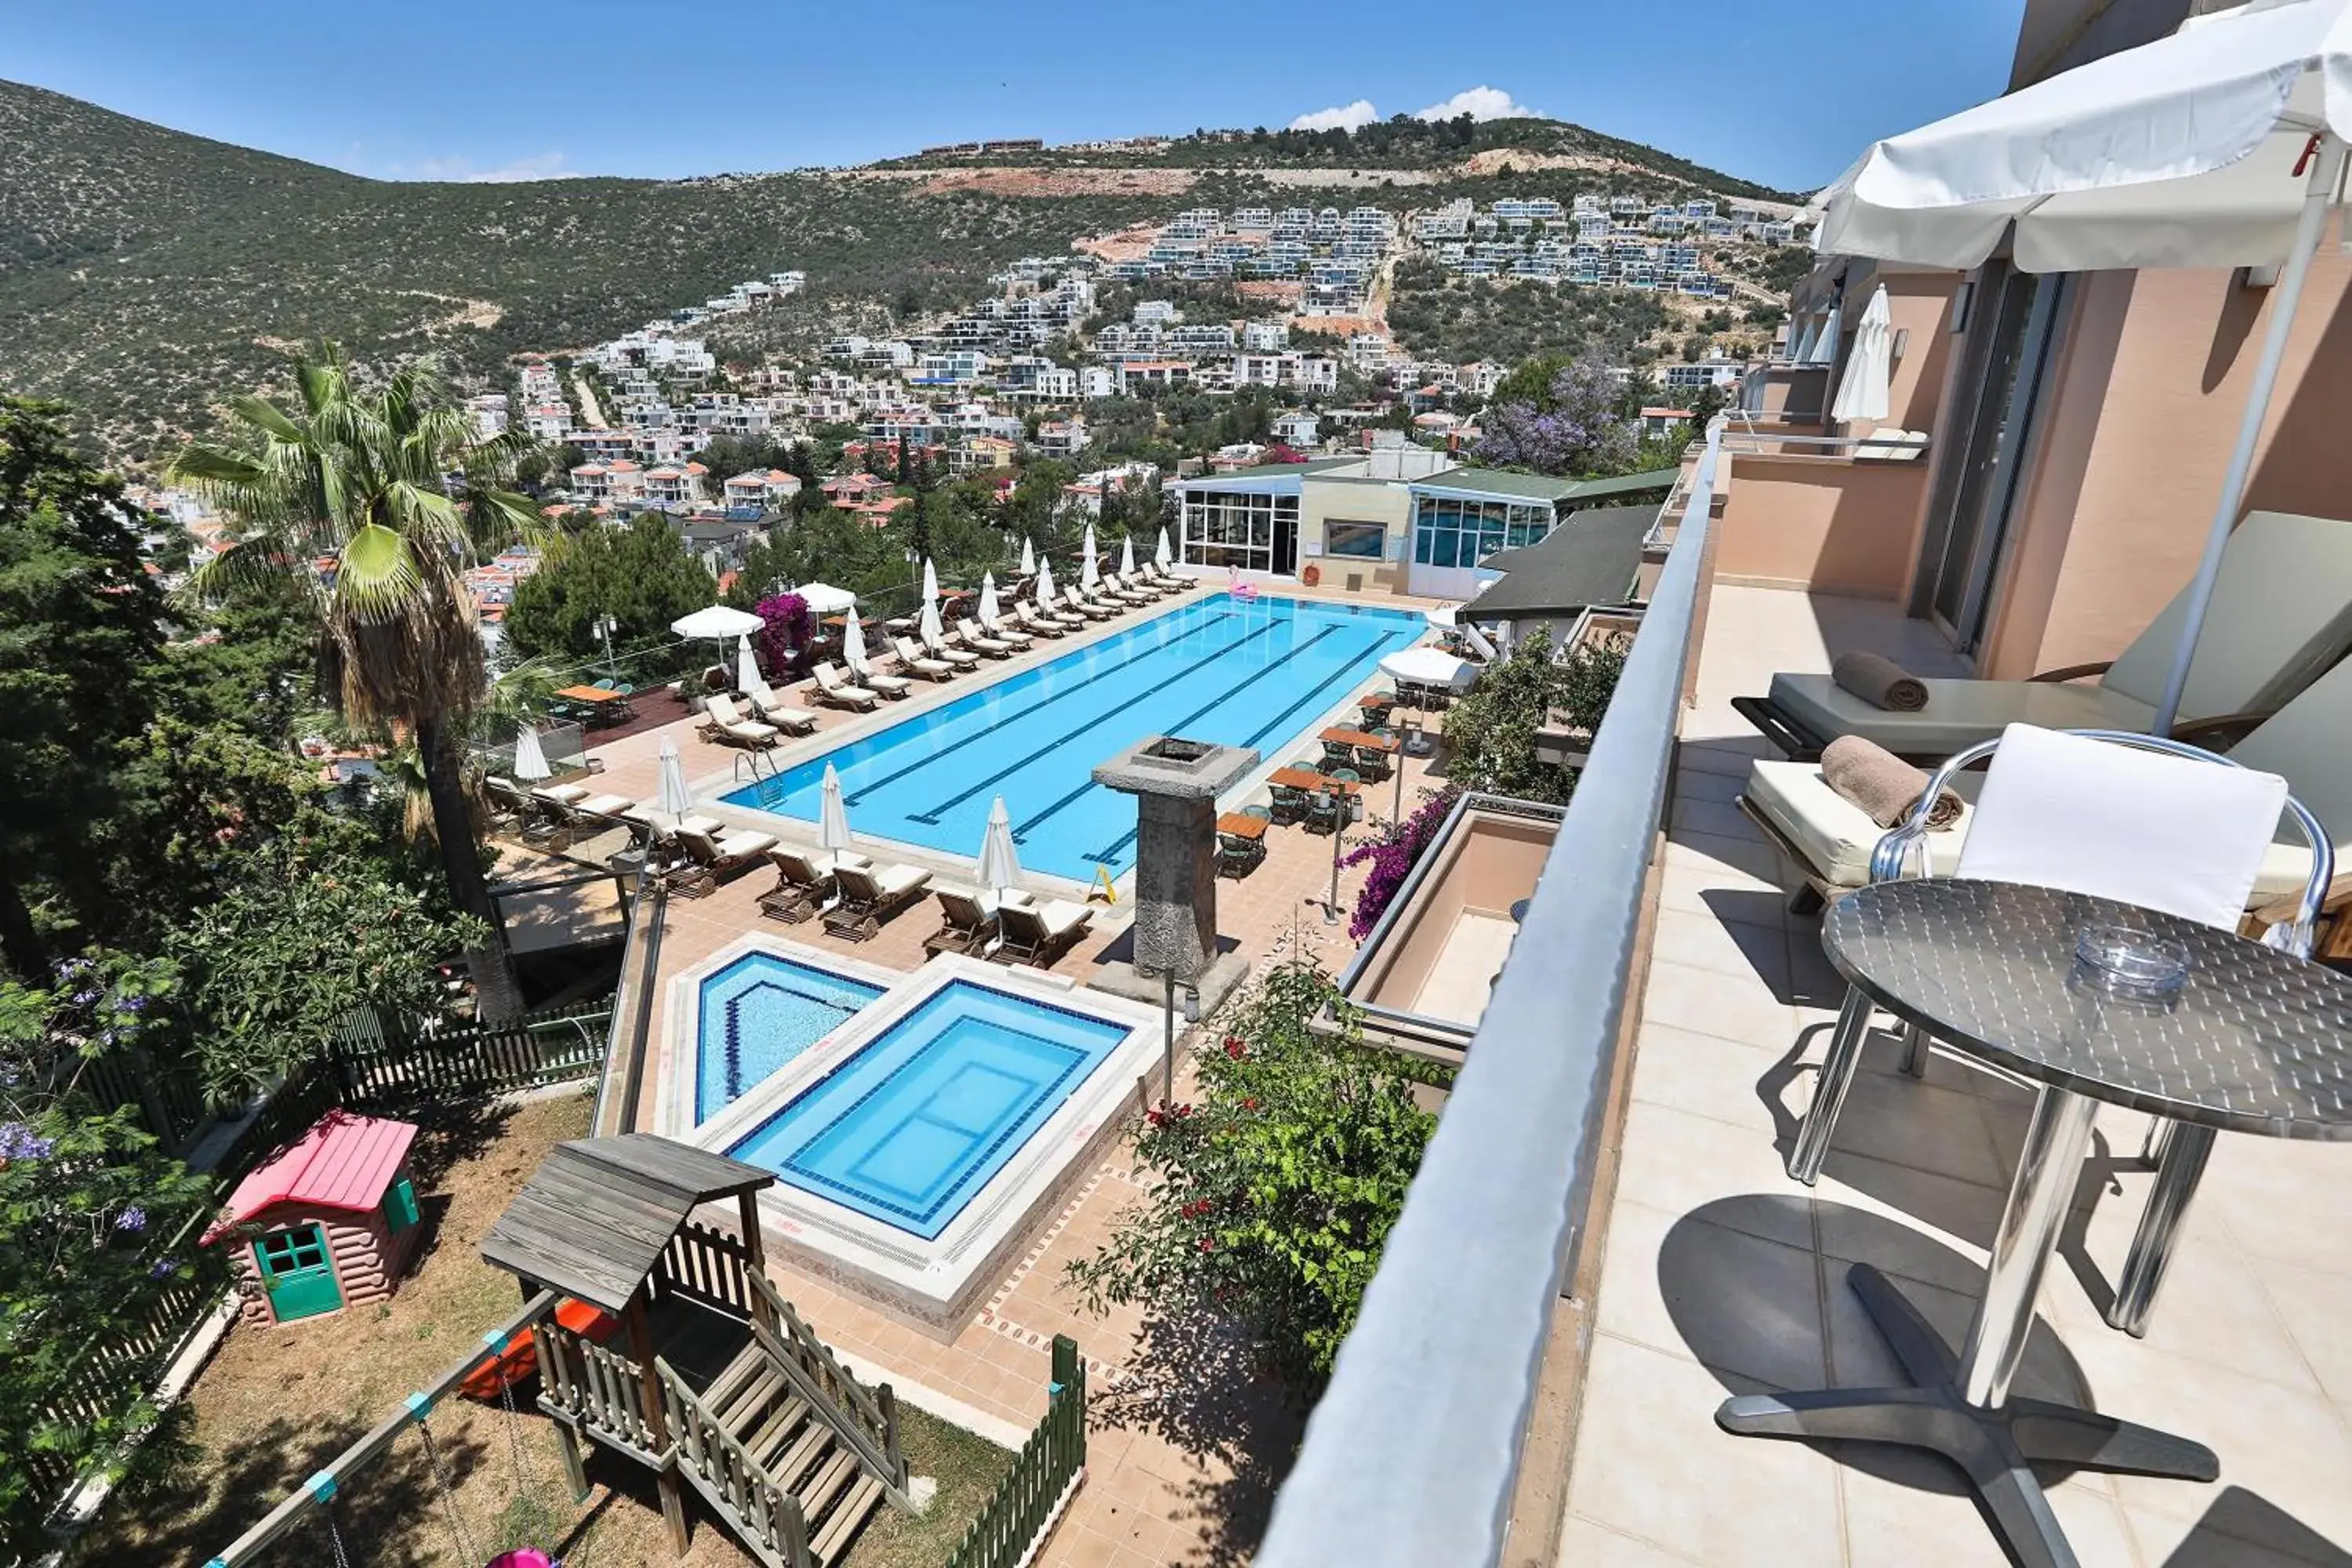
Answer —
1879 681
1883 785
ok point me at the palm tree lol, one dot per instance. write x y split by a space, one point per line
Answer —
373 501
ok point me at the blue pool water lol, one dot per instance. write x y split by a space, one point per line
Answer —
1243 674
758 1013
919 1120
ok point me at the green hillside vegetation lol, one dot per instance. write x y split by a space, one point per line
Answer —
142 270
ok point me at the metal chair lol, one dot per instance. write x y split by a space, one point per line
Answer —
1289 805
2179 1151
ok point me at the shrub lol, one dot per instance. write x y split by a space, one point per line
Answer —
1393 856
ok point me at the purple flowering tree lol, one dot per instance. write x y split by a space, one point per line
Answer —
92 1233
1569 424
787 631
1392 855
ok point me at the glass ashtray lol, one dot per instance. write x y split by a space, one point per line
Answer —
2132 961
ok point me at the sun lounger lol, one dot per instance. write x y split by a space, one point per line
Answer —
890 686
710 856
773 710
721 721
954 655
914 658
966 637
1095 609
2308 742
803 882
1041 933
835 692
871 894
967 923
2281 612
534 818
1012 637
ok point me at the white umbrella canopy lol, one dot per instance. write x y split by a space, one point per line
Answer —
747 667
928 628
1046 586
825 599
990 611
1439 614
1028 559
930 579
717 622
1126 556
2221 145
833 818
670 794
2191 150
1000 862
1090 573
1160 554
1862 391
1429 667
530 756
853 644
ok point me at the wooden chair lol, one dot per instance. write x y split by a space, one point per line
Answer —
871 894
1041 933
711 858
967 923
803 882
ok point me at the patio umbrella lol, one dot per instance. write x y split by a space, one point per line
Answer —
1862 391
989 610
747 666
2221 145
1000 863
671 795
833 820
853 644
825 599
1090 573
717 623
530 756
1045 586
1126 556
930 579
1431 667
1161 556
1439 615
1028 559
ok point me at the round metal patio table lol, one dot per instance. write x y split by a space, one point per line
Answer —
2254 1041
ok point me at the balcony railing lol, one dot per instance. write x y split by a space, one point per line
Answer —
1412 1454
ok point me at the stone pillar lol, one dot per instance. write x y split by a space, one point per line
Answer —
1176 783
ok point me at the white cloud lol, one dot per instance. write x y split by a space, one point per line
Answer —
1480 103
542 166
1338 117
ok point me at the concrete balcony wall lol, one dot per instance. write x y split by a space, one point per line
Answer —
1832 524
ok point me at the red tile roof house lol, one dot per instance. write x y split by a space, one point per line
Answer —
328 1223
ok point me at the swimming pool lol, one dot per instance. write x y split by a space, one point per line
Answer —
928 1111
760 1012
1242 674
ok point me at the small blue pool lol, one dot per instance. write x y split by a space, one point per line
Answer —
758 1013
920 1118
1242 673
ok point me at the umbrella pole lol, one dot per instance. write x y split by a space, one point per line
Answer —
2319 192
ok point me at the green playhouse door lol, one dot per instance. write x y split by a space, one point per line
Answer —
297 1273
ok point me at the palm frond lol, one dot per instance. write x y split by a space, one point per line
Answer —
377 573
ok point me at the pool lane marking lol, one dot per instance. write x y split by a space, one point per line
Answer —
1109 852
931 818
1204 623
1176 727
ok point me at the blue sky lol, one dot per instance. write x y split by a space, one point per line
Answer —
430 89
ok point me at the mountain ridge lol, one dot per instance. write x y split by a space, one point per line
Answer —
145 272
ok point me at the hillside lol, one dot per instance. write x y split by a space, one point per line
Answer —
144 271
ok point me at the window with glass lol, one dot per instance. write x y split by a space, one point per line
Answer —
1355 541
1460 530
1253 532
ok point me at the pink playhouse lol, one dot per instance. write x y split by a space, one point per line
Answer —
327 1223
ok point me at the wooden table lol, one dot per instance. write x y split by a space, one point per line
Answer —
1309 779
594 696
1241 824
1340 735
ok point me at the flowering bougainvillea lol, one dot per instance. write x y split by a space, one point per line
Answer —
787 628
1394 855
1272 1188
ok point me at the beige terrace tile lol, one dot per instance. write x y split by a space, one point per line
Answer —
1584 1544
1731 1301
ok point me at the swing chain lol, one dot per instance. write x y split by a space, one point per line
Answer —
514 1437
334 1536
440 1468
